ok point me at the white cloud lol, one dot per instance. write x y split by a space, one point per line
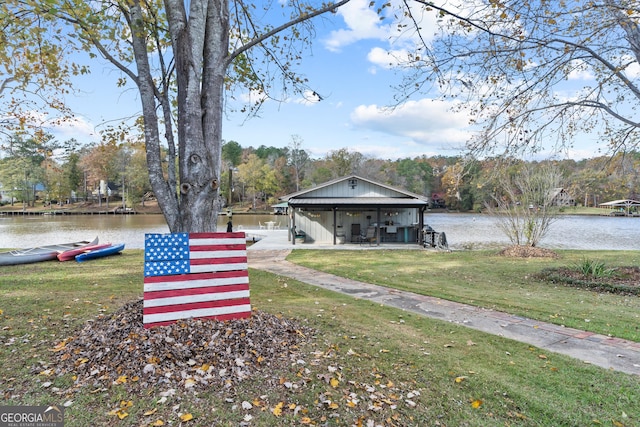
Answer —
61 128
253 97
76 127
581 71
426 122
308 98
362 23
633 69
384 58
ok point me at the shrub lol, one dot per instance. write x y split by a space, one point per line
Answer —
593 268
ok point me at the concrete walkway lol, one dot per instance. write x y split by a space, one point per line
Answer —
600 350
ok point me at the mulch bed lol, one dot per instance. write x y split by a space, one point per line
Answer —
521 251
620 280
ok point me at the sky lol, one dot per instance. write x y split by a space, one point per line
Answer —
348 69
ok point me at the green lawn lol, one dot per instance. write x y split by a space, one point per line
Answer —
366 365
485 279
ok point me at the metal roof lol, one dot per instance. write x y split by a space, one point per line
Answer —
346 178
357 202
624 202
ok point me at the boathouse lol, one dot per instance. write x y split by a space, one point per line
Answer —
353 210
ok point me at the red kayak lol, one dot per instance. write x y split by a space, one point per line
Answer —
71 253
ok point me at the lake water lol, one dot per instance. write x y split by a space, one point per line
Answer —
467 231
463 231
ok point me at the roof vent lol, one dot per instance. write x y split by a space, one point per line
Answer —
353 183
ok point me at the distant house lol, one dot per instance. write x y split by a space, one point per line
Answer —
560 197
438 200
105 190
281 208
5 195
30 192
347 208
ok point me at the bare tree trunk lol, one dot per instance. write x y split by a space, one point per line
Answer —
201 64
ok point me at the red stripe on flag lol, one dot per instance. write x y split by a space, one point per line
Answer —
229 247
197 276
207 261
195 291
217 235
194 306
221 317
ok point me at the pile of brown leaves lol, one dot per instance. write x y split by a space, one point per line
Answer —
190 354
520 251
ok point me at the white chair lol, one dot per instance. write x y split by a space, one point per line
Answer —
262 227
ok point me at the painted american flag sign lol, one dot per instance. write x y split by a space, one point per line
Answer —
195 275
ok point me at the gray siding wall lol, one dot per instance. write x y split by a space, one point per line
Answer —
360 189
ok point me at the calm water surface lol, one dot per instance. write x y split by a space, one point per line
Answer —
30 231
463 231
466 231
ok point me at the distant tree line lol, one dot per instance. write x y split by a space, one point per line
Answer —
37 166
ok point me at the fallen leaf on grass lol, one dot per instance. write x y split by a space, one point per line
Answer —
186 417
60 346
277 411
460 379
122 414
476 403
80 361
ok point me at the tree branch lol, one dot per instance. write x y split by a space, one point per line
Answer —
302 18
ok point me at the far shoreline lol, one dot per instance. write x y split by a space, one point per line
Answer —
152 208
